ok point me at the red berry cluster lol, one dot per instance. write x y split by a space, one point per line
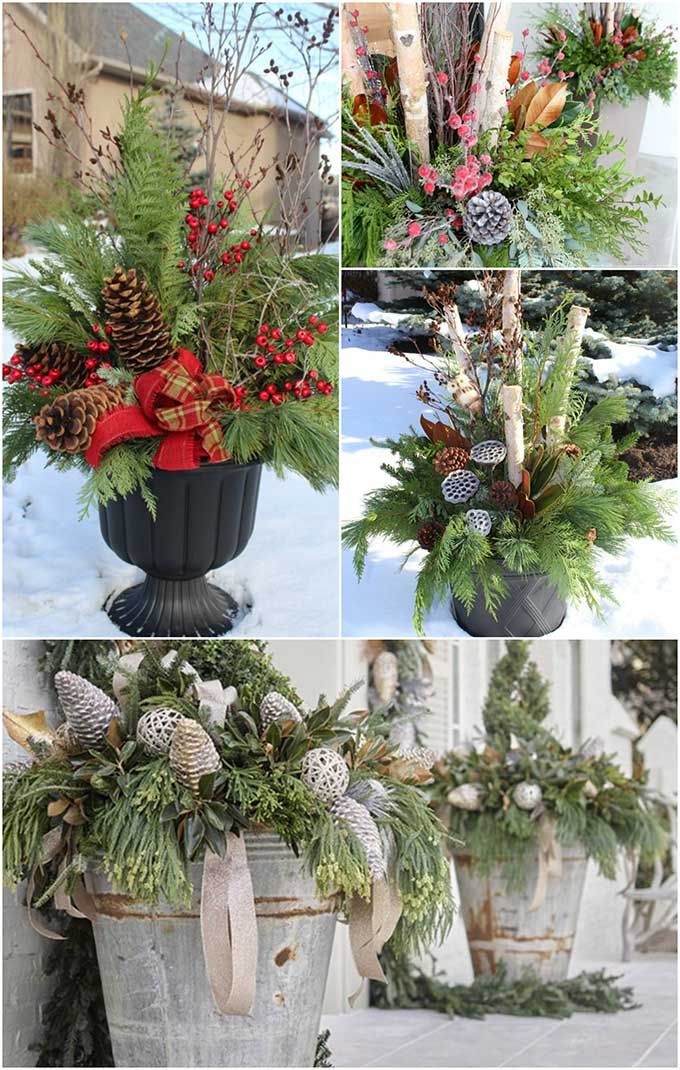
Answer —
100 346
278 355
204 224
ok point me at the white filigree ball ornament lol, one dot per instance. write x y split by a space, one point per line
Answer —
479 520
325 773
459 486
527 795
466 797
276 707
489 452
156 728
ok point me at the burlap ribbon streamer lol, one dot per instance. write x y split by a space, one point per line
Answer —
371 924
84 904
229 928
549 859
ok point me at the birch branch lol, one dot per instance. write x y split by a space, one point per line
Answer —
572 338
412 77
511 396
609 19
492 100
512 324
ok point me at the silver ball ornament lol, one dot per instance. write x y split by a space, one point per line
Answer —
527 795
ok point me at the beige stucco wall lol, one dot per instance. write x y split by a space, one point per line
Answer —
105 94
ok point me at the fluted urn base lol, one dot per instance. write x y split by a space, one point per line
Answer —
174 608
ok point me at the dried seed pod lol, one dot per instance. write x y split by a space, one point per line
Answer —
489 452
479 520
449 459
460 486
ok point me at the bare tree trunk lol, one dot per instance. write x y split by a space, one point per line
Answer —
514 431
573 336
351 68
412 77
512 324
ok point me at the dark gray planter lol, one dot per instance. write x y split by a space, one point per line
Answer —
532 608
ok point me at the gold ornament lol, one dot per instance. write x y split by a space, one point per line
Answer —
192 754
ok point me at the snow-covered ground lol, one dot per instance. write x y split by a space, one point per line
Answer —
58 571
378 400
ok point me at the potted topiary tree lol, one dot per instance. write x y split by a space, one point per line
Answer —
219 835
165 349
512 488
529 813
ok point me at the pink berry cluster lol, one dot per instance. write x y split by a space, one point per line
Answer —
273 379
205 224
469 178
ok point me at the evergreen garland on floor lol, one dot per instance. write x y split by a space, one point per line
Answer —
409 987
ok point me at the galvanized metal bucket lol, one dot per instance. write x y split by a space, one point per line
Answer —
158 1000
500 926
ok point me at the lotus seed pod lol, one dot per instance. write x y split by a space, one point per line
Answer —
386 675
527 795
366 831
325 773
489 452
460 486
87 709
479 521
192 754
275 707
466 797
156 728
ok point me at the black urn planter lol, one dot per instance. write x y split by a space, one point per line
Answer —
205 517
532 608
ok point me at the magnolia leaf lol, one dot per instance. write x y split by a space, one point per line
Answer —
408 770
73 816
520 118
522 98
23 728
57 808
536 143
514 68
437 431
546 106
114 735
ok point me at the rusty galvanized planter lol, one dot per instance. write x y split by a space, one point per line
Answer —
158 1000
500 927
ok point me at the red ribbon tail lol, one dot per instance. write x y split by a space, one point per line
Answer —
119 425
177 451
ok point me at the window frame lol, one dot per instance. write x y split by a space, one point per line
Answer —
7 157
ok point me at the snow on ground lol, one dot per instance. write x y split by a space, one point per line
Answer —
649 365
378 399
58 570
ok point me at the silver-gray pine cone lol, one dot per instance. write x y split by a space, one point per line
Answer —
276 707
366 831
87 709
487 218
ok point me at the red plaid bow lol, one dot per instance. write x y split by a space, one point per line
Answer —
175 400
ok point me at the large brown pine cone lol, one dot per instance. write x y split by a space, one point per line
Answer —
141 335
55 356
67 423
429 534
502 493
449 459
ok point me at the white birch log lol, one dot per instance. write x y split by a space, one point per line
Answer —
412 77
514 431
351 68
609 20
511 323
491 103
466 393
496 19
573 336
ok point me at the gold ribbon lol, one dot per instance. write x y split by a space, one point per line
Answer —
371 924
229 928
84 904
549 860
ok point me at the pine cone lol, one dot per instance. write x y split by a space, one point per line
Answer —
276 707
137 325
487 218
429 534
192 754
55 357
449 459
366 831
66 741
503 493
386 675
67 423
87 709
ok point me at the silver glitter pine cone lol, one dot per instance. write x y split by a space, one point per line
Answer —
192 754
487 218
276 707
366 831
386 675
87 709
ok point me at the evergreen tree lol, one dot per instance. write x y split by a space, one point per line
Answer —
517 700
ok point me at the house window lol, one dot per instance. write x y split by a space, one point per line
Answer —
17 124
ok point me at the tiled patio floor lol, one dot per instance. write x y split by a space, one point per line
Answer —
643 1037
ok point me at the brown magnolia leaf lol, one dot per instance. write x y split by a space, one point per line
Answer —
491 755
514 68
114 736
597 29
23 728
526 507
525 485
437 432
365 112
73 816
392 73
536 143
58 807
546 106
409 770
522 98
520 118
